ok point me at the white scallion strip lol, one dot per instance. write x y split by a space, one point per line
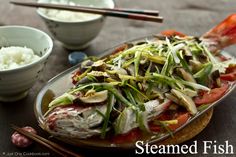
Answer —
174 49
117 59
211 57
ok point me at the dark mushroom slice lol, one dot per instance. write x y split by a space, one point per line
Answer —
185 101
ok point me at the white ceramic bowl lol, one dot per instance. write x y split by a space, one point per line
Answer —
15 83
76 35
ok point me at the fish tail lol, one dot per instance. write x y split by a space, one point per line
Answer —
222 35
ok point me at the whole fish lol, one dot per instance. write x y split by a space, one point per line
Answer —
137 84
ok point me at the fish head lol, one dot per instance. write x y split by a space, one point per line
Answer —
75 121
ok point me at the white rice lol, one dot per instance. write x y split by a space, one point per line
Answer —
67 16
14 57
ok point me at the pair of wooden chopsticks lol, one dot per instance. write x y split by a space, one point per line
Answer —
143 15
51 145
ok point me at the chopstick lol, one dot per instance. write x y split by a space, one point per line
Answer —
51 145
110 12
129 10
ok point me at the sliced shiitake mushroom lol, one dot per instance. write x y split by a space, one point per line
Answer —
185 101
94 97
186 75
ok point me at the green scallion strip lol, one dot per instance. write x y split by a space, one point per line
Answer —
127 77
127 63
137 91
129 96
211 57
165 79
110 88
83 74
183 62
204 72
155 59
164 126
149 89
167 65
167 129
92 78
129 51
100 113
139 101
203 107
137 57
110 104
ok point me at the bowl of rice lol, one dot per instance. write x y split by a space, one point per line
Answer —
74 30
23 54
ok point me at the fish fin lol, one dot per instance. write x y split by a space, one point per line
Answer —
222 35
170 32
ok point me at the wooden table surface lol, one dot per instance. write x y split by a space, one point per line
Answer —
188 16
